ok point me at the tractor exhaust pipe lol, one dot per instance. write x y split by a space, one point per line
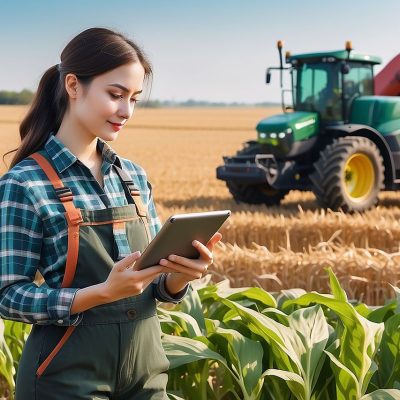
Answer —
280 45
281 67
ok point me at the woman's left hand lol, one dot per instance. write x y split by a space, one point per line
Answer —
186 269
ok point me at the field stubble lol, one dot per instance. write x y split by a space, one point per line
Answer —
275 248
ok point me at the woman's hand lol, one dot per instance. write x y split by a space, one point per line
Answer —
124 281
186 269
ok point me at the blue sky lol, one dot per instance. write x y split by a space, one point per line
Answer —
204 50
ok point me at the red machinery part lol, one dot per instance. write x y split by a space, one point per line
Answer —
387 81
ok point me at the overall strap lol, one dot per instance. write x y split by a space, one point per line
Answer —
132 191
72 214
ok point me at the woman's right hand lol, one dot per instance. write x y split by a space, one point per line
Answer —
124 281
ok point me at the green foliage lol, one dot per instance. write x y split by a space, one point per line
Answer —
244 343
13 336
23 97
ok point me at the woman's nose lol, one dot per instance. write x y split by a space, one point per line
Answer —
126 109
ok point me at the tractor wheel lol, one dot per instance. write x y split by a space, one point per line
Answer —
252 147
349 174
260 193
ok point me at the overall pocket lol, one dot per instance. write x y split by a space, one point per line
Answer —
56 338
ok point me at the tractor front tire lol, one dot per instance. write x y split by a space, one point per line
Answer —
349 174
260 193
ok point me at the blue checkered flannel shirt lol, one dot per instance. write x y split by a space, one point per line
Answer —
34 231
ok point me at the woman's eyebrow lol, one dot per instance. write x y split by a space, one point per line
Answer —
123 88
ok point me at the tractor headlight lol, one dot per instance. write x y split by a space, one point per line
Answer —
262 135
273 135
281 135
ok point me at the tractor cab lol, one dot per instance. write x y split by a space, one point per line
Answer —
328 83
341 138
324 88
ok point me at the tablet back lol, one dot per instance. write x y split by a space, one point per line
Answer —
177 234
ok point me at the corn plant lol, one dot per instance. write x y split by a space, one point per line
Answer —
245 343
13 336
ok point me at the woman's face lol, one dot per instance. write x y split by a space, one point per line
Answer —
103 107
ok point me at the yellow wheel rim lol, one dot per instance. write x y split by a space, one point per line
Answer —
359 176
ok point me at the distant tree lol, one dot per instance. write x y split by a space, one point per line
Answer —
9 97
150 104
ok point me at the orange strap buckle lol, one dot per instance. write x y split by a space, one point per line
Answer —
74 217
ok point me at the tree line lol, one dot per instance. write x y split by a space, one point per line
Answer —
25 97
9 97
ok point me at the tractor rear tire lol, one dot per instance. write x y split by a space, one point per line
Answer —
349 174
260 193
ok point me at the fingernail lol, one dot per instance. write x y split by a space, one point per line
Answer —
194 242
163 262
136 253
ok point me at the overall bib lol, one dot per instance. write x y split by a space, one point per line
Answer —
115 352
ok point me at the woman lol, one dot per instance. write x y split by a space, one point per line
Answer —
74 210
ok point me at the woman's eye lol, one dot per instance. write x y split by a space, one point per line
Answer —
120 96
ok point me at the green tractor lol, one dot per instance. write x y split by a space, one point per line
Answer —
340 139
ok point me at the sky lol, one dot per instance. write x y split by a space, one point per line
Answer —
214 50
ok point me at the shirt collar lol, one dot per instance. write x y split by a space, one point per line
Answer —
63 157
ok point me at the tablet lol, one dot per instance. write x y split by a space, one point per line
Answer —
177 234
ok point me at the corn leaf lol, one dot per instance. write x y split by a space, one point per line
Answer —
188 324
7 369
359 339
182 350
311 336
243 355
336 289
295 382
191 304
347 387
274 333
389 356
383 394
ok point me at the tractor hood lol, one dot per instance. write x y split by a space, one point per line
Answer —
300 125
288 135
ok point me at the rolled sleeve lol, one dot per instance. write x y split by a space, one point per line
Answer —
59 306
21 299
161 293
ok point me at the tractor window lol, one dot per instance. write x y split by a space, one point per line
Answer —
313 80
318 90
359 81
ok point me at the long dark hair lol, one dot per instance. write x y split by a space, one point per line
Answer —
92 52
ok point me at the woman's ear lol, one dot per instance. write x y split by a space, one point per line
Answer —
71 85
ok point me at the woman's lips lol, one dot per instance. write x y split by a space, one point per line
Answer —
116 127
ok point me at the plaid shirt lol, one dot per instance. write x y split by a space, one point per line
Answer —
34 233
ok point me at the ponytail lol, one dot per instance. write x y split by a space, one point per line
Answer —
44 116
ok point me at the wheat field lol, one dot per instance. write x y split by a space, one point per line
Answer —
274 248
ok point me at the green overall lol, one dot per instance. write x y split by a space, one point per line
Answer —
115 352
